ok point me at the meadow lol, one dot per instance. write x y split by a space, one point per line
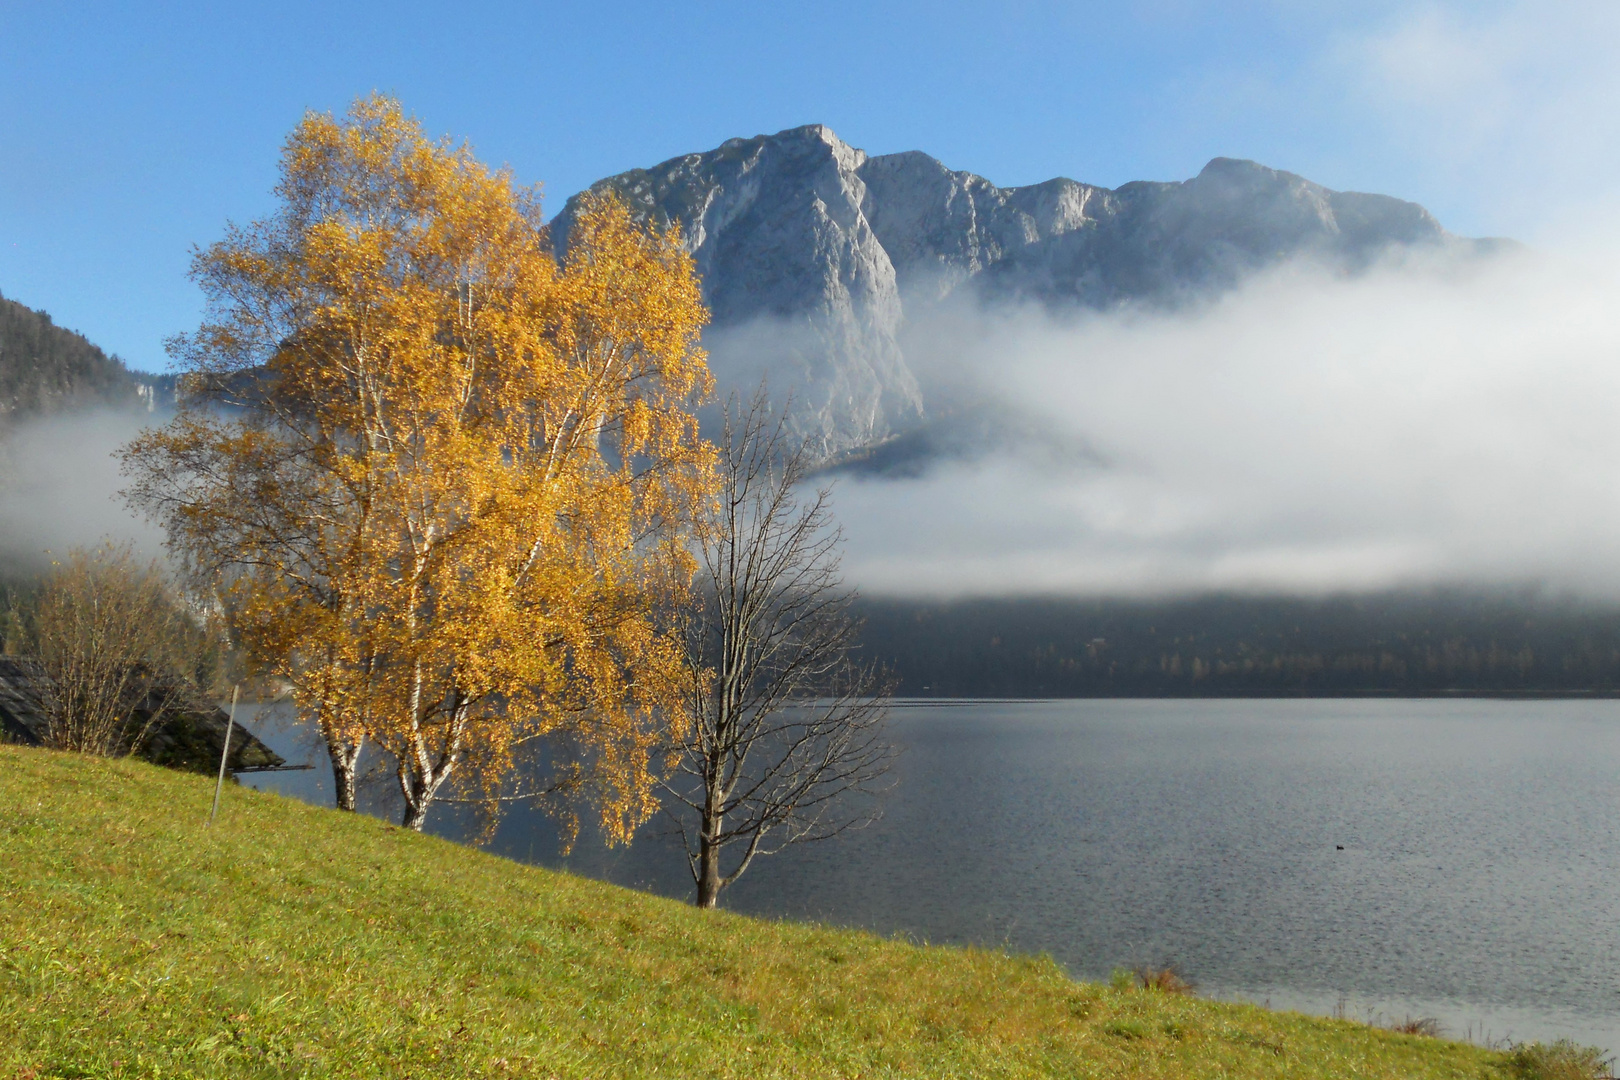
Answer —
293 941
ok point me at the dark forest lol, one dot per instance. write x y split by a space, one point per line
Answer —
1396 643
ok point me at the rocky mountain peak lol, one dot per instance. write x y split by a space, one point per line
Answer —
847 156
813 255
798 284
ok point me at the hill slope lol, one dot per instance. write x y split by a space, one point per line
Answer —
45 368
294 941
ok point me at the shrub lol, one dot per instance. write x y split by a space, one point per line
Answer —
1426 1026
116 648
1562 1060
1164 979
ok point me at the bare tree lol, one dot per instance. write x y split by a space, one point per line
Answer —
781 739
116 649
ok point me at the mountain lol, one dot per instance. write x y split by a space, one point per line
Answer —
46 369
814 256
792 267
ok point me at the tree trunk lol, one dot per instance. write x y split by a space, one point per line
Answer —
415 815
708 882
345 765
419 796
709 876
421 786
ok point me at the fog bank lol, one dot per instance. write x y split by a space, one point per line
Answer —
1426 423
59 487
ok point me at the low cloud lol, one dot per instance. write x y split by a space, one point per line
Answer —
59 487
1427 423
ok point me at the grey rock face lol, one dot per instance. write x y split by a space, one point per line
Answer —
797 282
813 254
1063 243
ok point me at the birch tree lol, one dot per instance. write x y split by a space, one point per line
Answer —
440 482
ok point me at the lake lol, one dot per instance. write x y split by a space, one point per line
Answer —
1458 859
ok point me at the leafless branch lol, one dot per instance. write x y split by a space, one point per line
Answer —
781 737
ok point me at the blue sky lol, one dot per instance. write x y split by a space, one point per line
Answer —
131 131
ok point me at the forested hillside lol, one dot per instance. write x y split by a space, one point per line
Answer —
1392 643
45 368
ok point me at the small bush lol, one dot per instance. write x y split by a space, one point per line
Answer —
1562 1060
1427 1026
116 646
1166 980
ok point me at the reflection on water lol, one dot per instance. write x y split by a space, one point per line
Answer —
1458 859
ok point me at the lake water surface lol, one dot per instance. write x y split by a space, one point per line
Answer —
1478 879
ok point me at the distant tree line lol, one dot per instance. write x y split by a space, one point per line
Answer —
45 368
1397 643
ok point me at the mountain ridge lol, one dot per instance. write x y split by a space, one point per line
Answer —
816 255
816 258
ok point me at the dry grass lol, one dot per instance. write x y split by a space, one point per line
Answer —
1562 1060
1165 980
1427 1026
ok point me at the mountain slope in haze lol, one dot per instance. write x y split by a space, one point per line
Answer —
814 255
46 369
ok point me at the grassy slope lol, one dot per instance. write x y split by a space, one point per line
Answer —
294 941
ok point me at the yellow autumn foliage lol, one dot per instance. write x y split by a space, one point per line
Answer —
440 483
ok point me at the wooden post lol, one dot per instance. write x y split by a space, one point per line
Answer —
225 754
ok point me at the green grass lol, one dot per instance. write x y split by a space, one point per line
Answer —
294 941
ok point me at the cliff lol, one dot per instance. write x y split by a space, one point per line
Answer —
814 255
